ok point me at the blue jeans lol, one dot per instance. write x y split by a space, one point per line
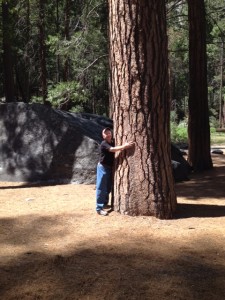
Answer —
103 185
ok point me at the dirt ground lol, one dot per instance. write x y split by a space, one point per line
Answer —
54 245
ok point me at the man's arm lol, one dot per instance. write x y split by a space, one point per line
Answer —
122 147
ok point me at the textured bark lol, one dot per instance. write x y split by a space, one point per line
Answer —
9 86
198 126
143 182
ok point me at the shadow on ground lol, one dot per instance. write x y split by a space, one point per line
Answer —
103 273
208 184
205 185
113 258
199 211
32 184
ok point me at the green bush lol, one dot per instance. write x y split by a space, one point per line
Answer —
67 91
179 133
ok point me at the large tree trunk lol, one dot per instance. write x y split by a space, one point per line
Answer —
9 86
143 182
198 125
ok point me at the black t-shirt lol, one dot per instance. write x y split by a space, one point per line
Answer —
106 157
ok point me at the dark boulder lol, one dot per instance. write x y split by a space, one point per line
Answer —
217 151
181 168
38 143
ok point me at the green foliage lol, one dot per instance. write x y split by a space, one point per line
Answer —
67 94
53 43
178 53
85 49
178 56
179 133
214 123
178 129
216 39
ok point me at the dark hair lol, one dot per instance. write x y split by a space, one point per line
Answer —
106 129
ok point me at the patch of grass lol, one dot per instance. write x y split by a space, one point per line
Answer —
217 137
179 134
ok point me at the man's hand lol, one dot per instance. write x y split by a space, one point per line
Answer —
122 147
129 145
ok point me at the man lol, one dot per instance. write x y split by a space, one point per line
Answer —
104 169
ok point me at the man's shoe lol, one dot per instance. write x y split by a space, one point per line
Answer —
102 212
107 206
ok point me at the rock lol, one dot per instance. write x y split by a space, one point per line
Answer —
179 172
182 146
38 143
217 151
181 168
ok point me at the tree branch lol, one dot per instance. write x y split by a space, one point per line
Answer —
91 64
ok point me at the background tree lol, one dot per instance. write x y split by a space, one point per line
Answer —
86 49
198 120
67 36
23 66
42 50
177 15
215 52
139 80
177 25
8 59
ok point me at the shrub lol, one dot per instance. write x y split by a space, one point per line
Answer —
178 132
70 92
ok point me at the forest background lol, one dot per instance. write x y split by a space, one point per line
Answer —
56 53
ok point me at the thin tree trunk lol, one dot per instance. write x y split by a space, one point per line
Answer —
42 50
140 105
198 124
27 59
67 37
57 31
221 109
9 84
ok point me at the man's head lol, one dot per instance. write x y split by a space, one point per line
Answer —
107 134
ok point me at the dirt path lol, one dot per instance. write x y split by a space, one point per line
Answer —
54 245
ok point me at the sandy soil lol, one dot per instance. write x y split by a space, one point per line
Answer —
54 245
